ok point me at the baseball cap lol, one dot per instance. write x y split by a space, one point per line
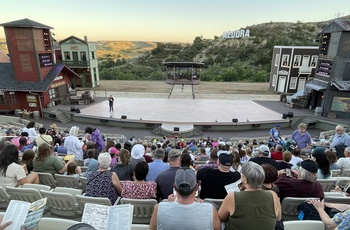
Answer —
185 179
263 149
225 158
309 165
277 125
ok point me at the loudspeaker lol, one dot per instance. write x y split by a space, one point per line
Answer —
104 120
290 114
235 120
176 129
77 110
124 117
284 116
72 108
256 125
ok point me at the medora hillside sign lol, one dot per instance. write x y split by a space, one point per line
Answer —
236 34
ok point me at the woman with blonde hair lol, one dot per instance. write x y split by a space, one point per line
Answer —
73 144
45 162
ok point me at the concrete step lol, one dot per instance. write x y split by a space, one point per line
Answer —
62 117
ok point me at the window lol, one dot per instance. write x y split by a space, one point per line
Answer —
67 55
296 62
274 80
2 99
53 93
277 59
314 60
93 55
83 56
285 60
293 83
13 98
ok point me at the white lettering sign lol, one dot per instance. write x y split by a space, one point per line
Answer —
236 34
58 78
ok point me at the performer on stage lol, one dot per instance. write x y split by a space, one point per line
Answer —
111 101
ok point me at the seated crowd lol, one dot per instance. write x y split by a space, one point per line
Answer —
175 171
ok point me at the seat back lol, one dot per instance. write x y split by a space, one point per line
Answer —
82 200
72 191
83 168
335 172
24 194
55 223
62 205
47 179
143 209
83 181
345 173
343 181
67 181
217 202
4 198
139 227
37 186
304 224
328 184
337 199
289 207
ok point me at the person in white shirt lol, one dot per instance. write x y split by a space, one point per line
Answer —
344 162
73 144
30 129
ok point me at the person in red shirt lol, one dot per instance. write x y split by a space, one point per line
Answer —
277 154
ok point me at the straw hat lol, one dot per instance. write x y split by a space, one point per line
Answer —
53 126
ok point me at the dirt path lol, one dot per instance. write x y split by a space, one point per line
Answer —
202 88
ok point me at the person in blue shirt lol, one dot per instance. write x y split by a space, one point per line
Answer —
157 166
341 137
275 136
302 137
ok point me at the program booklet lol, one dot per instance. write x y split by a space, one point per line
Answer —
21 212
102 217
233 187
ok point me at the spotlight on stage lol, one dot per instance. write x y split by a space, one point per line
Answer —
124 117
176 129
234 120
286 115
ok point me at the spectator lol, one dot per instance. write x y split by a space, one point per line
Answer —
45 162
277 154
60 148
241 208
11 173
114 155
305 185
90 145
275 135
27 159
287 156
332 158
243 153
16 140
176 212
73 169
271 176
149 153
295 157
341 220
212 160
165 180
340 138
137 153
263 157
213 181
30 129
123 168
157 166
236 165
203 155
23 142
320 157
73 144
302 137
139 188
102 183
186 160
344 162
91 163
43 138
96 137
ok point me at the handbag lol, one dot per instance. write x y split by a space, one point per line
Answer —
308 212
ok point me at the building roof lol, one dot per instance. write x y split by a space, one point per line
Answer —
8 82
183 64
74 37
25 23
4 58
337 25
341 85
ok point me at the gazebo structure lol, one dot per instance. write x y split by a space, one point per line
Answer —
183 73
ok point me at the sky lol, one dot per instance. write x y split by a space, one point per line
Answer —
164 20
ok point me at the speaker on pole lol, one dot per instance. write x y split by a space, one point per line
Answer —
176 129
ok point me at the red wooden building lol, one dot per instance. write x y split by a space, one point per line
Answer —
32 80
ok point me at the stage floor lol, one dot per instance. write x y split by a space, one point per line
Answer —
175 110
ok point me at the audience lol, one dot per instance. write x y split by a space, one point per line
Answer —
91 163
277 154
212 163
27 159
183 210
332 158
157 166
320 157
302 137
11 173
73 144
344 162
264 157
103 183
271 175
96 137
252 208
287 157
43 138
123 168
139 188
30 129
137 153
213 181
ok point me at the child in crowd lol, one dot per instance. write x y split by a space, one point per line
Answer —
73 169
27 159
90 162
114 155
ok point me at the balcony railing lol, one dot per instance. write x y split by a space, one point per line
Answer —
75 64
